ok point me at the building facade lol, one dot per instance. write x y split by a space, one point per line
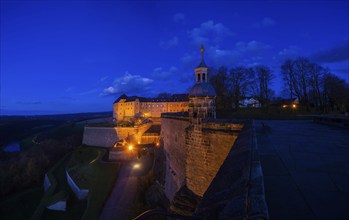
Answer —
126 107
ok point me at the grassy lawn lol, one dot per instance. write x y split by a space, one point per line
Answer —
98 177
25 201
60 191
80 165
75 210
101 181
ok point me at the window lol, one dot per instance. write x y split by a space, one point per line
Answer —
203 77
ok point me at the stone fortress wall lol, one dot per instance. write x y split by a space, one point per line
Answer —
173 137
194 156
207 149
100 136
107 136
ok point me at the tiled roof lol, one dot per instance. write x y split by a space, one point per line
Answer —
202 90
172 98
202 64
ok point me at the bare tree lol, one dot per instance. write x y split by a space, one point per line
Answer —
335 93
240 78
261 86
296 75
287 71
220 82
313 84
302 69
315 80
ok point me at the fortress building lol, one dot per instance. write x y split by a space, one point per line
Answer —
196 143
131 106
202 95
212 165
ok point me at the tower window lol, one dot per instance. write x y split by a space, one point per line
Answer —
198 79
203 77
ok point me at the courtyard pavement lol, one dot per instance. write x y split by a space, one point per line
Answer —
119 203
306 169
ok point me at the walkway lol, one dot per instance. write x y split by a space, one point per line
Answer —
306 169
120 201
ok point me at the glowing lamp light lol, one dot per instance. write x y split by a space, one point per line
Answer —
157 144
294 106
130 147
136 166
284 106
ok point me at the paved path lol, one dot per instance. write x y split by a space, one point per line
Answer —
306 169
119 203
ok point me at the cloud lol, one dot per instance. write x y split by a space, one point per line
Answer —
162 74
251 46
170 43
243 53
179 18
103 79
129 84
265 22
209 32
290 52
336 54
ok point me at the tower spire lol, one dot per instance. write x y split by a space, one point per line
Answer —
202 51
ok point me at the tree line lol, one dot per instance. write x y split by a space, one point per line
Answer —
24 170
313 85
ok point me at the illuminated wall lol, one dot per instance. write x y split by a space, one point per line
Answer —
124 109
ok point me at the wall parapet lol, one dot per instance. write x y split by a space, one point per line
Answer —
79 193
176 115
237 191
47 183
333 121
100 136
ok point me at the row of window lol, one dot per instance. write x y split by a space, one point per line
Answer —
161 110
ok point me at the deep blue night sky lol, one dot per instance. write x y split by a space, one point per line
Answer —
78 56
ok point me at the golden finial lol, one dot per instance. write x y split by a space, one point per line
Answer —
202 50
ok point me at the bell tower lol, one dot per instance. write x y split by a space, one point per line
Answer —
202 95
201 70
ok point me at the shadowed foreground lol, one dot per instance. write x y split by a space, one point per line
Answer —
306 169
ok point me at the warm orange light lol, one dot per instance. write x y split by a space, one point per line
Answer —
284 106
294 106
157 144
139 142
130 147
136 166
